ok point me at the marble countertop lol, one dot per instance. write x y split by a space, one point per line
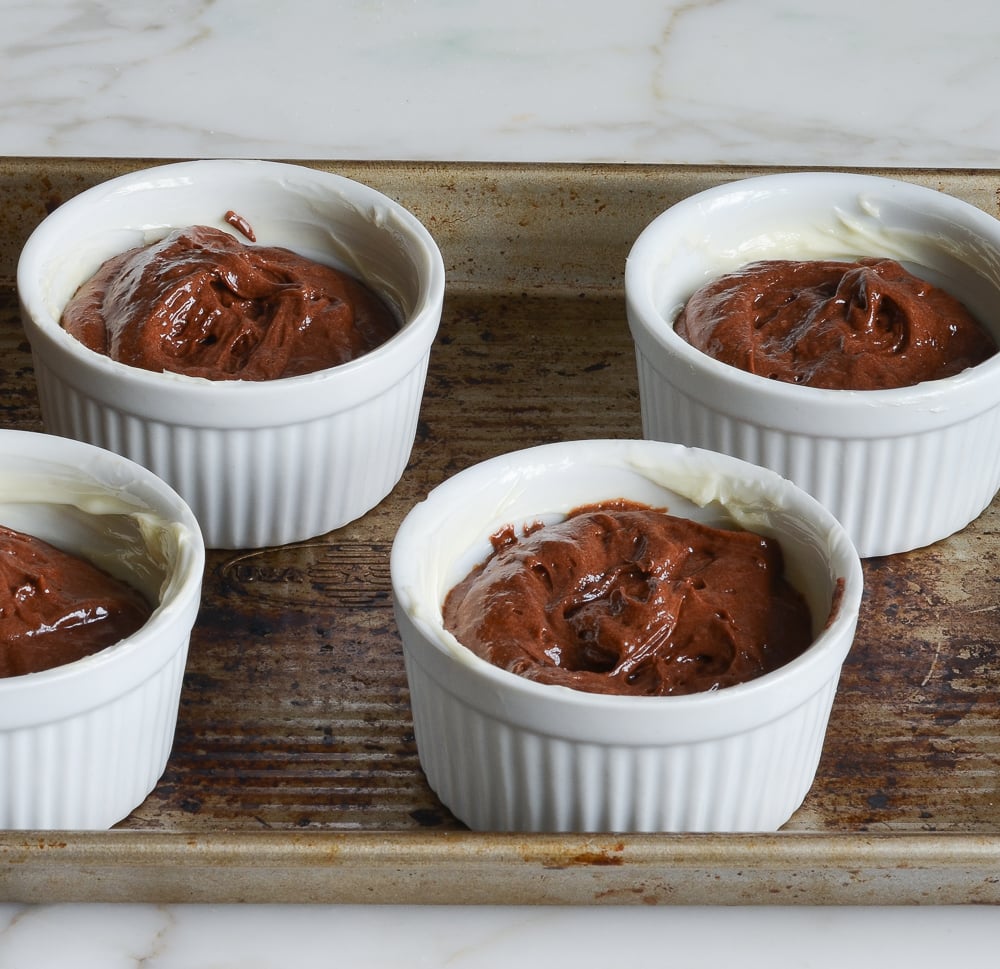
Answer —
703 81
789 82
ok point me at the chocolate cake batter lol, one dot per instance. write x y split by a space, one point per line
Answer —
203 303
867 325
625 599
56 608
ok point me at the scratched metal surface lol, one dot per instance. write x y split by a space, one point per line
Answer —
294 774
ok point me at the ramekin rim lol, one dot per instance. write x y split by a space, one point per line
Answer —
833 635
182 585
646 318
413 330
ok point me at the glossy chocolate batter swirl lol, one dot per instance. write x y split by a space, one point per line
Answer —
868 325
202 303
630 600
56 608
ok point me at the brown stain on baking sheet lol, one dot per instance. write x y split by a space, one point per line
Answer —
914 736
599 856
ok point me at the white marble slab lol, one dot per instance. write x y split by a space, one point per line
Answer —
705 81
790 82
374 937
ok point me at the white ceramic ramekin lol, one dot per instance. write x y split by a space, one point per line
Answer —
260 463
83 744
506 753
900 468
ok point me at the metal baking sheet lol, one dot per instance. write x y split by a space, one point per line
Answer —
294 775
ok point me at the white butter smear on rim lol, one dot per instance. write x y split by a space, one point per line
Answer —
112 528
934 246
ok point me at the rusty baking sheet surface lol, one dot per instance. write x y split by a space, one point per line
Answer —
294 775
